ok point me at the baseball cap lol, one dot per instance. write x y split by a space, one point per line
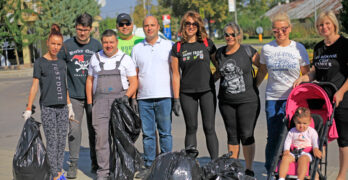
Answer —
123 16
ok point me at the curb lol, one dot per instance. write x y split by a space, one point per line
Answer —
16 72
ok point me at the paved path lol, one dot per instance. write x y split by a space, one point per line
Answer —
14 91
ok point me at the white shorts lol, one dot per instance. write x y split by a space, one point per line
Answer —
303 154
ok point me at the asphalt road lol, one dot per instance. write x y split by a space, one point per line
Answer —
14 94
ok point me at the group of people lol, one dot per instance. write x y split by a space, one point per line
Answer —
156 77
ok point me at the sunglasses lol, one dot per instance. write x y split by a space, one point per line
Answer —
282 29
122 24
232 34
188 24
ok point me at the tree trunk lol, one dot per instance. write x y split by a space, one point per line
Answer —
16 54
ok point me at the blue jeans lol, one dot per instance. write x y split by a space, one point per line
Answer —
275 112
156 112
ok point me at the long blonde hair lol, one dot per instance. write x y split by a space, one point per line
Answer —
201 33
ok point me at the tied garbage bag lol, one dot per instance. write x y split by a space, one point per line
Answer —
30 162
225 168
124 131
176 166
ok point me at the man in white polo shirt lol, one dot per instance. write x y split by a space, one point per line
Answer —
108 73
152 59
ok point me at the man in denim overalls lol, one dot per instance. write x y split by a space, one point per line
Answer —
108 73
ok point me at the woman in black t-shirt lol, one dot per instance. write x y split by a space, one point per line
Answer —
238 95
330 62
56 109
196 84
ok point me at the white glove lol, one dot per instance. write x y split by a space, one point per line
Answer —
26 115
71 112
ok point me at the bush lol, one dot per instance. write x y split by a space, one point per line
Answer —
308 43
245 36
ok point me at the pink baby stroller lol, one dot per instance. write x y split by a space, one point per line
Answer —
313 96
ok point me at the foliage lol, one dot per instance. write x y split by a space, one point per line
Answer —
108 23
63 13
12 25
344 15
216 10
308 43
251 15
139 13
303 29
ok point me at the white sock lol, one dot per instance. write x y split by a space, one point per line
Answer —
281 179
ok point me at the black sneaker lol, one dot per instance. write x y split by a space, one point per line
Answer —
249 173
143 173
72 170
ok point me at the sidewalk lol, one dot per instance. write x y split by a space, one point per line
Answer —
15 91
13 72
84 166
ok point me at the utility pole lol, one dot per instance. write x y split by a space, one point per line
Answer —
144 8
315 11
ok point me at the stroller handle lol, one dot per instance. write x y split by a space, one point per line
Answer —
326 83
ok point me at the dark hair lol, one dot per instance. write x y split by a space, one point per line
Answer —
55 31
108 33
302 112
84 19
201 33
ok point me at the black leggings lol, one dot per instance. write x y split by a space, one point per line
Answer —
240 121
207 101
341 121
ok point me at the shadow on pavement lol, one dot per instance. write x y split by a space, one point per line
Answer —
84 163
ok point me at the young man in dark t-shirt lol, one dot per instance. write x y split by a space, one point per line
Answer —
77 52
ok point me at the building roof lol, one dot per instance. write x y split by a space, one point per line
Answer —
302 9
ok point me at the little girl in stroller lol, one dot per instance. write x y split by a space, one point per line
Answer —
300 140
315 97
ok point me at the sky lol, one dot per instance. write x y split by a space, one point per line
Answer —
114 7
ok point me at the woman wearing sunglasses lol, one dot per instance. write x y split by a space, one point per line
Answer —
195 86
284 60
238 97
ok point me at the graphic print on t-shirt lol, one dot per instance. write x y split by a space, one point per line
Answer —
280 65
233 80
194 54
324 61
79 59
58 82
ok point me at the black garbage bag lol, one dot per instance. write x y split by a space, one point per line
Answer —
225 168
181 165
125 128
30 161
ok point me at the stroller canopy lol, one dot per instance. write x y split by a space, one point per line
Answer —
316 99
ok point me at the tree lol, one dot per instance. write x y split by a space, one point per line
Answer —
344 15
215 10
63 13
108 23
139 12
251 15
13 27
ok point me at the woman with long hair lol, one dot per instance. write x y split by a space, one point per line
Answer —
330 63
56 109
195 87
